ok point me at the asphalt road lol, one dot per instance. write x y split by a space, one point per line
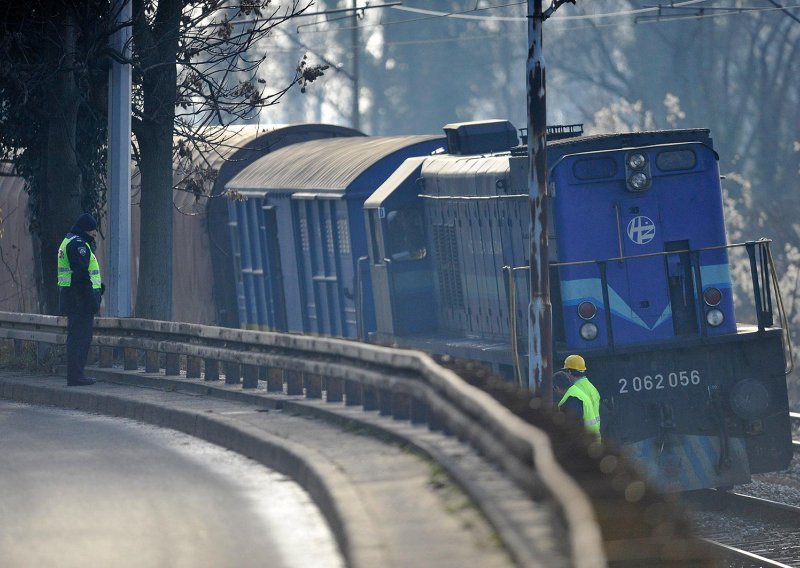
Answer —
91 491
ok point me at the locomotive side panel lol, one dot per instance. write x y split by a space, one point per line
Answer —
473 228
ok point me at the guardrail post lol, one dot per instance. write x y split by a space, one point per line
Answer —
419 412
173 365
250 376
401 406
106 357
352 393
130 359
93 356
19 347
435 422
274 379
211 370
233 373
294 382
42 351
385 402
333 389
192 367
369 397
152 362
313 384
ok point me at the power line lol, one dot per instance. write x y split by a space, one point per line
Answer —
564 19
484 37
465 15
784 10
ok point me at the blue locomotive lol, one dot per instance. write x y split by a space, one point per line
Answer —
423 241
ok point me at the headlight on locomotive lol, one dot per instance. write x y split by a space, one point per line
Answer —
588 331
749 399
636 161
715 317
639 181
637 172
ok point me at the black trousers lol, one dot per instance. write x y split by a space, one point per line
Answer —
80 327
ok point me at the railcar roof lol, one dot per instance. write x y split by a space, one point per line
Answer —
232 148
321 165
465 175
629 139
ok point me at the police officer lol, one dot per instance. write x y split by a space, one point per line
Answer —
80 292
581 397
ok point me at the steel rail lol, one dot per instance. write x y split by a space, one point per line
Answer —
749 505
408 383
741 557
780 515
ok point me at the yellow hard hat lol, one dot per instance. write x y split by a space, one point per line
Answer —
575 362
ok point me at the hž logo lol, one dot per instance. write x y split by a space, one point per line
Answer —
641 230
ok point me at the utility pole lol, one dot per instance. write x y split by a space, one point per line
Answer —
354 39
118 298
540 311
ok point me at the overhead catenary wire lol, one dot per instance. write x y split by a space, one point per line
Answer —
465 15
620 17
562 28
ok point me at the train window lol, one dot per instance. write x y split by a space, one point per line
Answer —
405 232
594 168
674 160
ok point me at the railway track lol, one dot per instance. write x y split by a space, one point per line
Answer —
747 531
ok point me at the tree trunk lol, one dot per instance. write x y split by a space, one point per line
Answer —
158 46
154 291
61 187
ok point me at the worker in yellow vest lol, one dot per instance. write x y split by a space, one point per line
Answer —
578 396
80 292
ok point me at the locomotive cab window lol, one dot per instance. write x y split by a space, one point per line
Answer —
405 235
676 160
594 168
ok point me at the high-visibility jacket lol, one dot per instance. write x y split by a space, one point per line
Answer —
584 391
65 270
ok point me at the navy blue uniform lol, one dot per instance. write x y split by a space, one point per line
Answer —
79 302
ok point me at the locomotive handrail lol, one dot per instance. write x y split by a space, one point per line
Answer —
512 295
474 197
409 383
650 254
784 320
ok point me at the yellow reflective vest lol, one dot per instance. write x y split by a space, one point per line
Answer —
65 271
584 391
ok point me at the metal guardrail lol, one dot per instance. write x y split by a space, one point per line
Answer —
407 385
